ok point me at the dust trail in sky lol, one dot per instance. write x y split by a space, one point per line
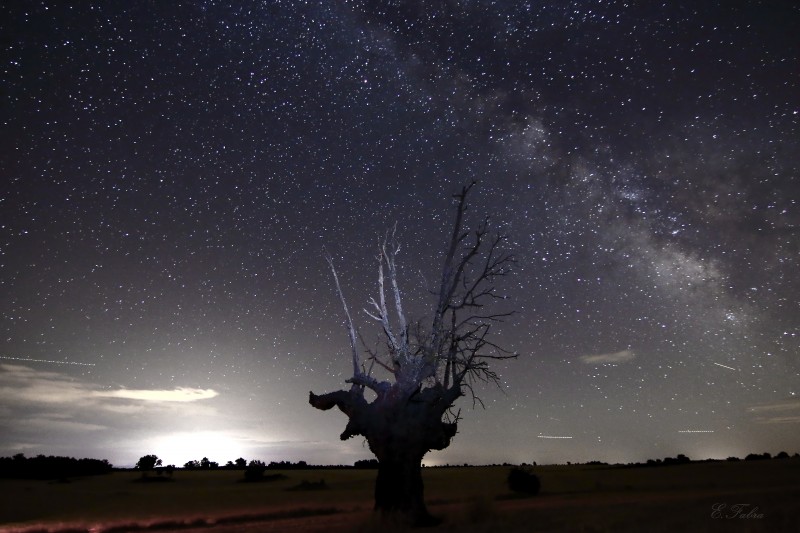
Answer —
46 361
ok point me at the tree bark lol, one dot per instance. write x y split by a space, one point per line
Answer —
401 429
399 490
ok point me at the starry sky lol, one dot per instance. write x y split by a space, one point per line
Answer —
173 171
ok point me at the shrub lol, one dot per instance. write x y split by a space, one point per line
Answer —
255 471
523 480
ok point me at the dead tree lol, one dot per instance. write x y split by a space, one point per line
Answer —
428 364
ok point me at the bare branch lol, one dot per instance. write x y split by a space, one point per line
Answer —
374 356
456 239
351 403
383 313
382 364
361 379
350 328
390 256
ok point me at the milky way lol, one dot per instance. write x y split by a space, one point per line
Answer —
172 172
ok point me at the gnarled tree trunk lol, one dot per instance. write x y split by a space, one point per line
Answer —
399 489
431 367
400 429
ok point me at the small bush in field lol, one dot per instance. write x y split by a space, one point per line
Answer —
524 481
255 471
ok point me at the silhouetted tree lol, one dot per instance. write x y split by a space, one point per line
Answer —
147 463
429 363
207 464
241 463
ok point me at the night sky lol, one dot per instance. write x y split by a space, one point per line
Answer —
173 171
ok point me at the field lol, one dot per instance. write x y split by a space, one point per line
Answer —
573 498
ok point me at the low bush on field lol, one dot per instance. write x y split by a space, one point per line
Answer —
524 481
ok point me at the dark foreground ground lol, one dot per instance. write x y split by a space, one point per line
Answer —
726 496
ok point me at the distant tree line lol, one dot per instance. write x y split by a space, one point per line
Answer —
202 464
679 460
288 465
765 455
242 464
51 467
682 459
56 467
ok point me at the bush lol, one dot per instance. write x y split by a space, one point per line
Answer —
255 471
523 480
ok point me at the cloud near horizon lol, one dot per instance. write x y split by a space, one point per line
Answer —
785 412
43 410
24 385
616 357
180 394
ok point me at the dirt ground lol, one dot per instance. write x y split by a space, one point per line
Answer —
685 511
716 497
776 510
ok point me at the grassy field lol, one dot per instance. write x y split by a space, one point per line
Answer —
573 498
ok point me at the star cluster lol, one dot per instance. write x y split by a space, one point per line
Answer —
172 172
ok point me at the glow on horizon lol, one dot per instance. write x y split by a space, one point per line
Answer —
179 448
